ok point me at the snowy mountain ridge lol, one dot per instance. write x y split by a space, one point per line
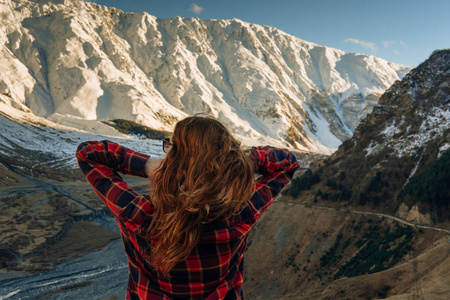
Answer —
70 61
406 135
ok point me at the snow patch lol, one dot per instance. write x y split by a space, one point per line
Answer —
434 124
56 142
391 130
77 61
443 149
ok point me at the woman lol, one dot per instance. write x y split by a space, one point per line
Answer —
187 240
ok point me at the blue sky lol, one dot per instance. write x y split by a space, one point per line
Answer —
400 31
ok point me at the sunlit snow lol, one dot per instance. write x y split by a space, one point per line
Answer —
78 62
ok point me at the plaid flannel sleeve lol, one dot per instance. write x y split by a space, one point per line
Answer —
100 162
276 168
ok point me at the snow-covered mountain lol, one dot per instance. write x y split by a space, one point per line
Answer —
406 139
73 61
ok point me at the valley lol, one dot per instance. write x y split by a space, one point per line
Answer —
366 217
306 246
78 64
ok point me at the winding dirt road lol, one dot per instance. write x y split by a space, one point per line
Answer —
346 210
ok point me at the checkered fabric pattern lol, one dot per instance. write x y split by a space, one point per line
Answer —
215 268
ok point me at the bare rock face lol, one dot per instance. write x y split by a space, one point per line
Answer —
414 215
356 107
404 135
68 60
376 223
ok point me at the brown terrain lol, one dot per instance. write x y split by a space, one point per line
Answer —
341 230
285 259
47 217
294 252
372 220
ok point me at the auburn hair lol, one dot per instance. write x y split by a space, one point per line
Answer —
205 176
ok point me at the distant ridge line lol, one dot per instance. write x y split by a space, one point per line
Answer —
367 213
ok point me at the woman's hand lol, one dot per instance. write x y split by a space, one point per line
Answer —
151 166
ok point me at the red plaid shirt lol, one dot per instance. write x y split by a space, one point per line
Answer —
215 268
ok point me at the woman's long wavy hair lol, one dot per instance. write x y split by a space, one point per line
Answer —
205 176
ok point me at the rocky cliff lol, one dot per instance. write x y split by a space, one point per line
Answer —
372 220
405 134
73 60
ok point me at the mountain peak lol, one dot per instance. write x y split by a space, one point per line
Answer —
421 81
82 60
403 136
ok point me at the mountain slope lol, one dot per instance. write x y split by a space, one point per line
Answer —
69 60
406 132
401 145
44 198
372 220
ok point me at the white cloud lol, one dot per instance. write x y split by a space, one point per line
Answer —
196 9
388 44
364 44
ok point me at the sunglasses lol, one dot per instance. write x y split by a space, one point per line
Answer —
166 144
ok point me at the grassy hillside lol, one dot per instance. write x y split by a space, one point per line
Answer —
311 252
